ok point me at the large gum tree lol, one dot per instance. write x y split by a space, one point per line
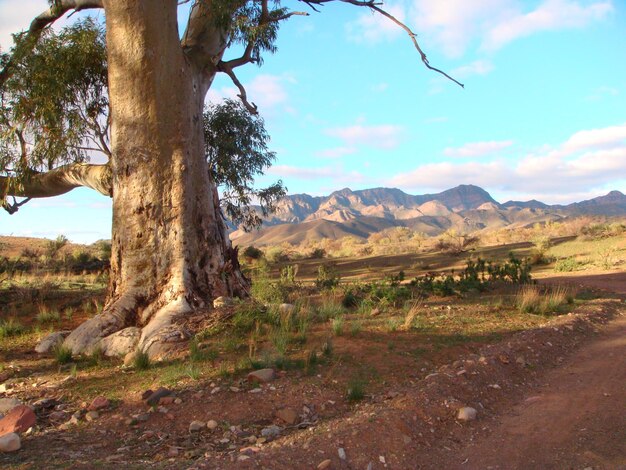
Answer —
171 255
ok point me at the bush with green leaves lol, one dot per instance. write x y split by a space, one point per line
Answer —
327 276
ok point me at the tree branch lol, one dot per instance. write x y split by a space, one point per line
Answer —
59 181
58 9
228 70
375 6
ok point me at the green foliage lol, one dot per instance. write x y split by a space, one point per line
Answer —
356 389
10 327
252 252
53 247
62 354
54 100
327 276
337 326
236 149
142 361
567 265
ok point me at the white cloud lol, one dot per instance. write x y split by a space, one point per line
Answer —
478 67
15 17
380 87
371 27
302 173
477 149
606 137
551 15
268 92
336 152
455 25
385 136
588 162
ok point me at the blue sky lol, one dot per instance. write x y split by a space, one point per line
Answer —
349 104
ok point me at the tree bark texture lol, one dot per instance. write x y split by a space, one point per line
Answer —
170 249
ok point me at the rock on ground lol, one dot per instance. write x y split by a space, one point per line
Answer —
467 413
19 419
10 442
7 404
262 375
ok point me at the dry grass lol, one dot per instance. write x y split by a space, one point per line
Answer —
533 299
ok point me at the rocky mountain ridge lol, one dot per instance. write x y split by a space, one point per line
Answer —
360 213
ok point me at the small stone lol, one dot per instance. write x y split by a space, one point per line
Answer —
222 302
342 453
166 400
375 312
406 439
156 396
262 375
58 416
256 390
286 309
324 464
288 415
19 419
92 415
99 403
178 401
521 361
466 413
215 390
243 457
234 389
196 426
173 452
7 404
10 442
211 424
142 418
162 409
271 431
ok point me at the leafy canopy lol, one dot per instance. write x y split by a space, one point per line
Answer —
54 110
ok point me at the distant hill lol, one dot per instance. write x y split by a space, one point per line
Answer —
302 217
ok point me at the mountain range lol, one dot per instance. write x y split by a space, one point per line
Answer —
301 217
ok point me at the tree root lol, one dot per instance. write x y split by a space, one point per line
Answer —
119 315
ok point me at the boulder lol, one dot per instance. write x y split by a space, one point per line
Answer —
467 413
7 404
262 375
19 419
99 403
120 343
53 340
10 442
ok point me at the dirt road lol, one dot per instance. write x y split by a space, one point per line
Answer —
577 419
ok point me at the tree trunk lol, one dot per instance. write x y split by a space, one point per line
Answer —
170 250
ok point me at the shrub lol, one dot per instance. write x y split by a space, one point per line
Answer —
356 389
10 327
142 361
63 354
327 276
337 326
567 265
252 253
54 246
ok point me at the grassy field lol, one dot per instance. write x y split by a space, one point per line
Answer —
366 322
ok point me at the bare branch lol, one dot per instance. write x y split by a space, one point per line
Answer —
375 6
58 9
251 107
12 208
59 181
